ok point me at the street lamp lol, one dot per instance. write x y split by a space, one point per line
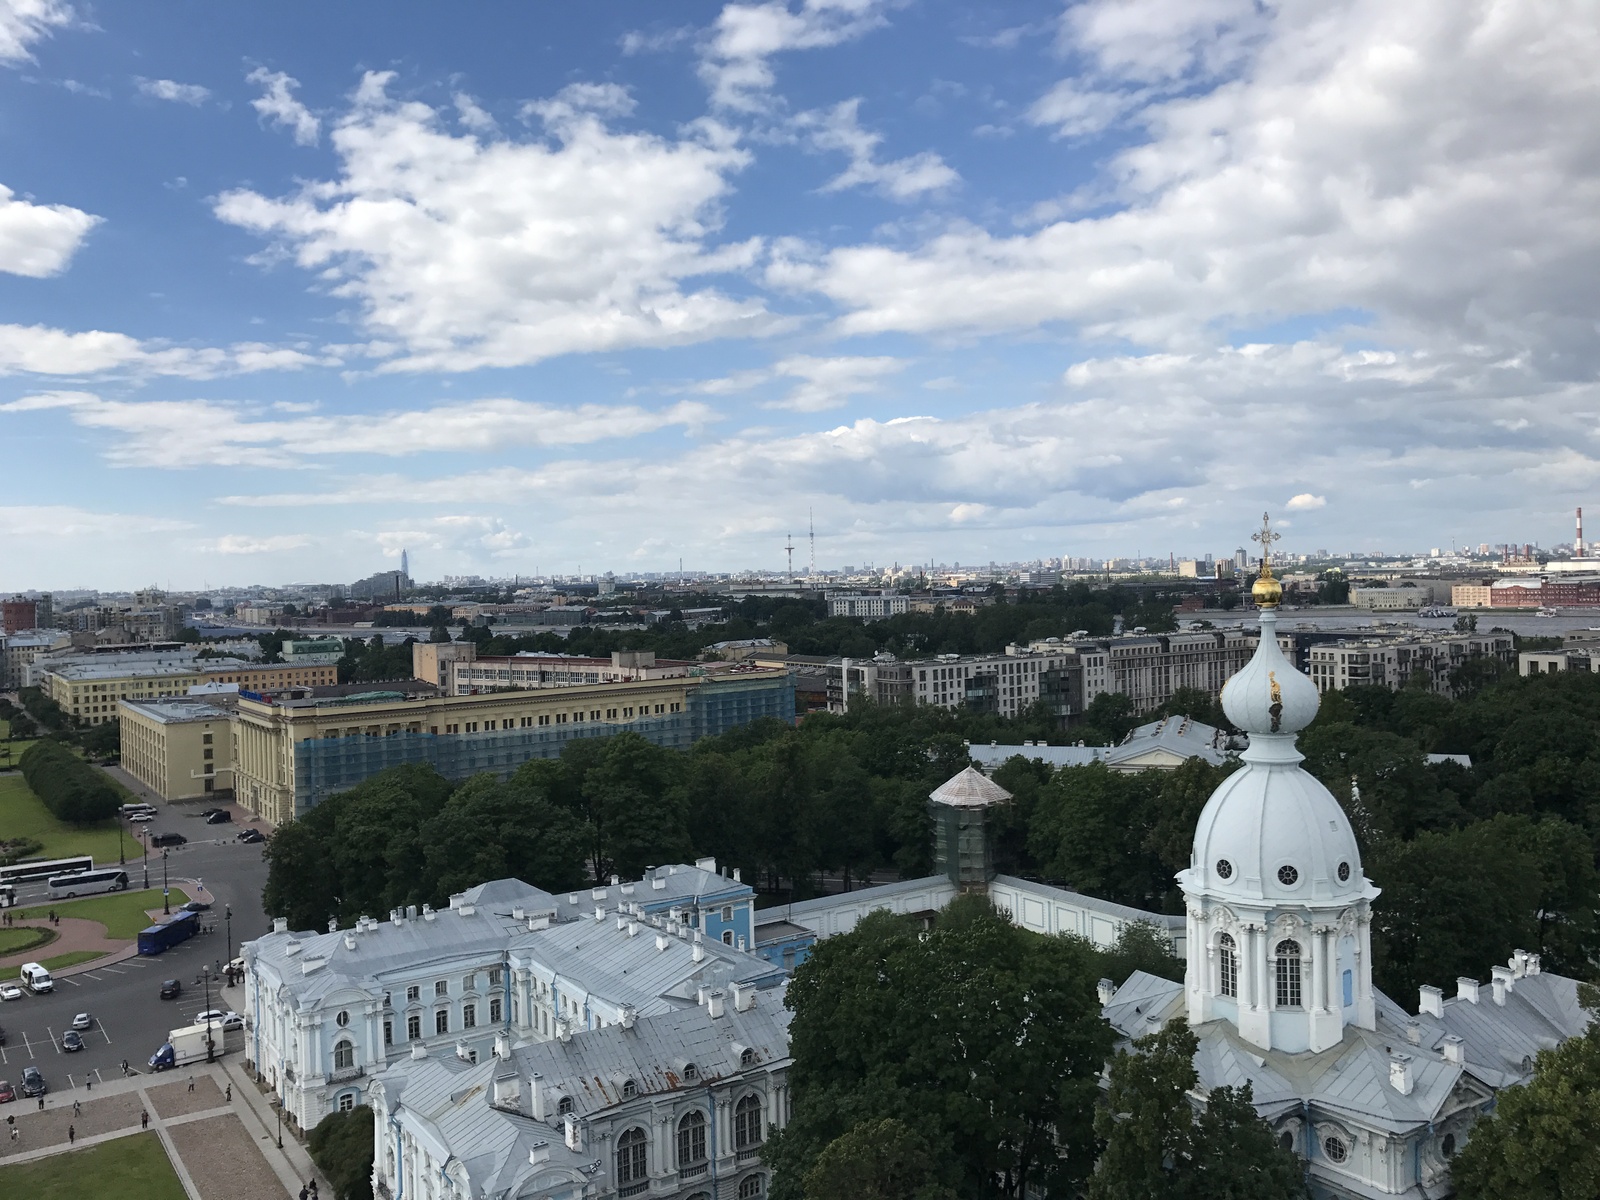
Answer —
166 906
227 915
121 861
211 1051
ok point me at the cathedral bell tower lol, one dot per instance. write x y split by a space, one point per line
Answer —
1279 912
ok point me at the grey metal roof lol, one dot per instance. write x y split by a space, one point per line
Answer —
179 711
970 789
668 886
884 892
1183 736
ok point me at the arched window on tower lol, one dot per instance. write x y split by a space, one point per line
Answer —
1227 967
1288 956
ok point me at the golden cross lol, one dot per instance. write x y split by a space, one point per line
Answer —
1266 537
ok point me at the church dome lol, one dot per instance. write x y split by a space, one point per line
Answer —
1269 695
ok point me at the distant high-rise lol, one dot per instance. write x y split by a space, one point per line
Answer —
405 564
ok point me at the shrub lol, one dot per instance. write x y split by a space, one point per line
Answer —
69 787
341 1146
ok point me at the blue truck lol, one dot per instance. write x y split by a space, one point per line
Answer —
157 938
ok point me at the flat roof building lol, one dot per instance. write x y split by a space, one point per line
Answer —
89 687
181 749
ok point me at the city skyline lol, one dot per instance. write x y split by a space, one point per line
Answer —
287 290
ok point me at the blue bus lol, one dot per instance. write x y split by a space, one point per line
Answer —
157 938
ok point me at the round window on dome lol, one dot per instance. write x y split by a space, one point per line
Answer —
1344 872
1224 869
1335 1149
1288 876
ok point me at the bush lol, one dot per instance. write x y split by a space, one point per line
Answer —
18 849
69 787
341 1146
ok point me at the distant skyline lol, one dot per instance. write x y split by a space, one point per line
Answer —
285 289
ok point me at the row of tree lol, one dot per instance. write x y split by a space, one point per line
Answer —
69 787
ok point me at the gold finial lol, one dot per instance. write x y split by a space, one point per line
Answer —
1267 591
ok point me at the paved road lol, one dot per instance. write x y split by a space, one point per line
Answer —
131 1020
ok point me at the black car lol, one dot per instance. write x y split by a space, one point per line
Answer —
33 1083
196 906
168 839
171 989
251 835
71 1040
221 817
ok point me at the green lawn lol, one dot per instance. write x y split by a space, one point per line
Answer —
71 959
22 814
130 1168
23 937
122 913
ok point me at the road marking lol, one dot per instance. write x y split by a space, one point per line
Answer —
73 982
113 970
54 1044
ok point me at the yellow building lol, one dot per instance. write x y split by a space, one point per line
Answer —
90 690
179 749
290 754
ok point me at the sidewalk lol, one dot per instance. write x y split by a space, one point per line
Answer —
208 1136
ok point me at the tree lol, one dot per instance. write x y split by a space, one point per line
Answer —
878 1160
1542 1142
1157 1147
985 1038
341 1146
490 829
1091 829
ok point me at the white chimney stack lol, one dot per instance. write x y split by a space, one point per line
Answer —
714 1004
1107 990
1432 1000
1455 1050
1467 989
1501 980
539 1154
1400 1073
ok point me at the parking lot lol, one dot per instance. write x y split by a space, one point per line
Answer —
130 1019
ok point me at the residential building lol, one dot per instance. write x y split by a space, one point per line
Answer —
18 615
541 669
89 687
19 651
328 1010
181 749
1388 599
430 661
1472 595
1391 661
292 751
320 652
869 606
1548 662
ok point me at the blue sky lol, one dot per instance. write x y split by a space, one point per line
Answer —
284 289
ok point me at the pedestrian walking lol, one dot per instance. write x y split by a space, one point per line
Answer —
13 1133
305 1191
76 1109
191 1083
41 1103
144 1119
72 1134
313 1189
227 1093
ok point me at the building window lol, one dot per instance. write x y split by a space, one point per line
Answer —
414 1026
564 1106
469 1016
344 1056
692 1140
629 1089
494 977
751 1187
441 1021
388 1033
494 1012
631 1163
413 993
1334 1147
342 1019
468 984
347 1101
441 988
1227 967
747 1057
727 937
747 1122
1288 955
690 1072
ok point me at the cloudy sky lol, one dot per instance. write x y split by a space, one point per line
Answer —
284 288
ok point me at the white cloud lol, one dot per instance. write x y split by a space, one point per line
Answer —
826 382
23 22
244 543
735 62
279 105
161 433
1336 173
39 240
1306 501
179 93
472 116
475 535
502 253
53 521
41 350
839 129
1076 111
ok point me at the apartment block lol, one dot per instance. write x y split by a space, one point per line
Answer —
89 687
468 676
291 753
179 749
869 606
1391 661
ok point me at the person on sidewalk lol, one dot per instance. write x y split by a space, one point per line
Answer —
144 1119
305 1191
227 1093
76 1108
72 1134
41 1103
191 1083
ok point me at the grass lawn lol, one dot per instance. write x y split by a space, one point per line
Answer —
122 913
15 941
22 814
71 959
130 1168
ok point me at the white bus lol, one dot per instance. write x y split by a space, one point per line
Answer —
88 883
17 872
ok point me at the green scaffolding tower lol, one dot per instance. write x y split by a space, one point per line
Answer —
960 828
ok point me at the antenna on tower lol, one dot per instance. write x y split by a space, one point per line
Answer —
788 544
811 517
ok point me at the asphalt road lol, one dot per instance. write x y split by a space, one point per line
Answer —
130 1019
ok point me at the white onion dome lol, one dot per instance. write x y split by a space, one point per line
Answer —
1272 832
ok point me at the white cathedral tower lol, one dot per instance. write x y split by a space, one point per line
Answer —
1279 912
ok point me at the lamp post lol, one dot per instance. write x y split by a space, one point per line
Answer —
121 861
166 905
211 1051
227 915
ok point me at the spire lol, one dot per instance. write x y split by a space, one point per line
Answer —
1267 592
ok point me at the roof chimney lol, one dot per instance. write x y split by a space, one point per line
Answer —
563 1030
629 1015
699 952
419 1050
1107 990
1501 980
333 924
1467 989
1431 1000
1454 1049
280 924
658 883
1400 1073
574 1133
538 1154
744 997
507 1091
662 941
714 1004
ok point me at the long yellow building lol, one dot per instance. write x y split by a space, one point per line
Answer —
180 749
90 690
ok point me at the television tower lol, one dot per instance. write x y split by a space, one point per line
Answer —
811 517
788 544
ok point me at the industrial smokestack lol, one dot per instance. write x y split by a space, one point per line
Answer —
1577 549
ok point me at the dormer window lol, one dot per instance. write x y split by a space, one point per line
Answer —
564 1106
690 1072
629 1089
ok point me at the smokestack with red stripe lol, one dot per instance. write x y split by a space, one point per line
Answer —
1578 548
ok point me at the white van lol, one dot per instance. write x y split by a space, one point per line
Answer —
36 979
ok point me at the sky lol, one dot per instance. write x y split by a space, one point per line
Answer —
548 288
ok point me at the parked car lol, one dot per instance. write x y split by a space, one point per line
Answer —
252 835
196 906
7 1092
33 1083
81 1021
129 809
171 989
221 817
228 1020
71 1040
142 817
10 991
168 839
